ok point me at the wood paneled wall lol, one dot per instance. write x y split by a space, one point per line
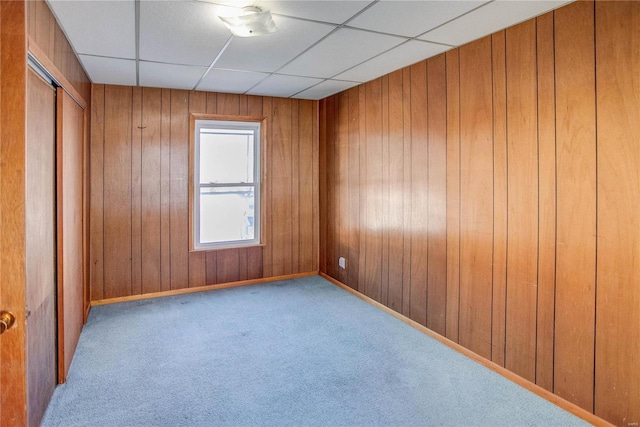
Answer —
139 197
44 31
48 44
492 194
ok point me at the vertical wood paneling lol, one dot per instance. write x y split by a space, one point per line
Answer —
44 31
372 188
267 205
211 266
437 195
341 160
354 190
227 268
212 103
408 160
547 205
228 103
117 191
522 204
498 322
197 260
151 189
384 187
254 263
242 260
476 196
419 193
145 134
165 190
281 186
617 359
576 203
331 203
295 187
179 189
526 175
384 179
96 270
305 186
43 20
362 126
136 190
396 191
323 194
316 185
453 193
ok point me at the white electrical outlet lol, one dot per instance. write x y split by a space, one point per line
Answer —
342 263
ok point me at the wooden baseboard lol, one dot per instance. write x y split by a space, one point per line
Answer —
201 288
545 394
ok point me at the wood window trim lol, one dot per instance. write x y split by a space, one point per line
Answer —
263 175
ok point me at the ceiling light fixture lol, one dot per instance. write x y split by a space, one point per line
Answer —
252 21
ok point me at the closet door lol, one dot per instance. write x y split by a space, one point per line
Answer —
70 142
40 242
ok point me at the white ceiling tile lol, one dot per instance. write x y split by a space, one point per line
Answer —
340 51
230 81
238 4
153 74
326 88
272 51
104 28
188 33
180 38
113 71
336 12
398 57
283 86
488 19
411 18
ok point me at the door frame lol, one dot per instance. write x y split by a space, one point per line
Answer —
13 89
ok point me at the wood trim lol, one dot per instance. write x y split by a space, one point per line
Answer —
556 400
48 65
227 117
263 173
86 220
202 288
13 86
60 233
192 164
70 200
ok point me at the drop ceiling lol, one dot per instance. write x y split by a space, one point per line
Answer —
321 47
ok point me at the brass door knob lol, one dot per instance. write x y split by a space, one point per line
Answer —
7 319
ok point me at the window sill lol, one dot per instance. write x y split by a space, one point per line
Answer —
224 247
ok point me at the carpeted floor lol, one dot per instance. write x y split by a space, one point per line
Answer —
293 353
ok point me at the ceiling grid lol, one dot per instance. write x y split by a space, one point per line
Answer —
321 47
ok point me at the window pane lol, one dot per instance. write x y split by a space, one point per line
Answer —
227 214
226 156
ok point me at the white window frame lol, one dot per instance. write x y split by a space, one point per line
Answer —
197 122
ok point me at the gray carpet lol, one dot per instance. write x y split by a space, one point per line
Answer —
302 353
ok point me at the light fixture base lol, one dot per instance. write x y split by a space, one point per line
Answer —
252 22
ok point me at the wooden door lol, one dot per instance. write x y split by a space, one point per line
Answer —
70 141
40 246
13 77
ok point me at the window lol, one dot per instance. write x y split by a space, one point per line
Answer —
225 197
